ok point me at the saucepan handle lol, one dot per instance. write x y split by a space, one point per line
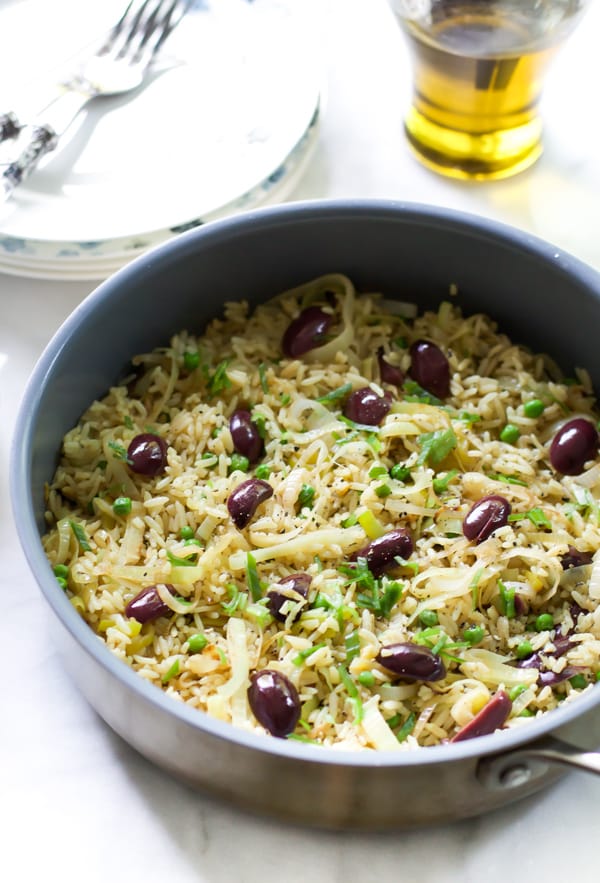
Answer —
501 772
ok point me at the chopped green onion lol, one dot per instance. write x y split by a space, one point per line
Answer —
469 418
534 408
285 398
303 655
186 533
369 523
441 484
536 515
181 562
416 393
435 446
306 496
352 691
377 471
238 600
215 432
238 463
191 360
510 434
80 536
507 598
219 381
428 618
578 682
262 373
119 451
384 490
197 643
507 479
366 679
400 342
171 672
352 643
262 471
523 650
259 613
335 394
128 422
260 421
474 586
122 506
322 602
61 571
544 622
252 577
400 472
350 521
407 727
474 634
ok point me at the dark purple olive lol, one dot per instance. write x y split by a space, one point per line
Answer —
365 406
562 643
148 605
491 717
295 582
521 606
274 702
573 445
245 435
430 368
147 454
306 332
245 499
575 558
381 553
389 373
552 678
485 516
412 662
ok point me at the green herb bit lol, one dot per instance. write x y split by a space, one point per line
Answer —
238 463
285 398
474 635
435 446
318 563
215 432
238 600
335 394
303 655
400 472
413 566
474 587
394 721
416 393
510 434
61 571
189 561
516 691
101 465
507 598
252 578
219 381
544 622
401 343
128 422
171 672
352 643
468 417
374 443
352 691
428 618
507 479
536 515
534 408
262 471
81 536
377 471
62 582
119 451
259 613
122 506
186 533
298 737
191 360
322 602
523 650
197 643
262 373
440 484
306 497
407 727
350 521
383 491
260 421
366 679
579 682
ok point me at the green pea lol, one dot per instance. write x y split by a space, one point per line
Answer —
516 691
191 541
122 506
61 570
191 360
578 682
61 581
474 634
534 408
262 471
510 434
597 675
186 533
366 678
197 643
524 649
527 713
428 618
544 622
384 490
239 463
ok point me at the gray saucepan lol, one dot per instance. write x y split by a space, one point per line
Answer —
539 296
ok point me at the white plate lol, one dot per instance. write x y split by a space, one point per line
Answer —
228 116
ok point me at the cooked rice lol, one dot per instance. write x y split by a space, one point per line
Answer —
306 443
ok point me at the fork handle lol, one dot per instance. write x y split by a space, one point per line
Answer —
42 140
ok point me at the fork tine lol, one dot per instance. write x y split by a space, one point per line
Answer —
128 21
174 11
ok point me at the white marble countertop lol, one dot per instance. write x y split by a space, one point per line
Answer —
77 803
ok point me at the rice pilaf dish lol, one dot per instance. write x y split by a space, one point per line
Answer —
337 521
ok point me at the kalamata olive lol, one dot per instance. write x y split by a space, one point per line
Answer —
274 702
573 445
562 643
148 605
430 368
245 435
574 558
147 454
364 405
306 332
485 516
382 552
245 499
491 717
389 373
295 582
552 678
412 662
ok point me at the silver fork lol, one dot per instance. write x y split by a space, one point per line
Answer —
120 65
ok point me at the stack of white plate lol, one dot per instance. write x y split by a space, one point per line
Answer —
225 123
